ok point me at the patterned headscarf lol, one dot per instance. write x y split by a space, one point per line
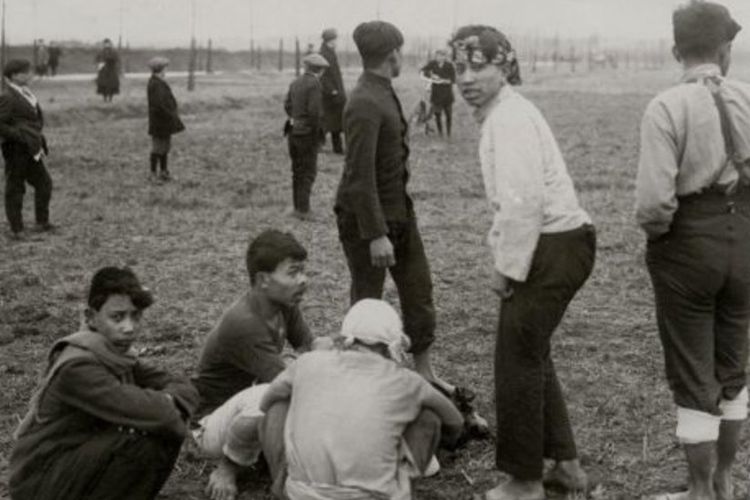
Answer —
478 44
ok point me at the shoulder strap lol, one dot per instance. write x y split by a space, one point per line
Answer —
726 129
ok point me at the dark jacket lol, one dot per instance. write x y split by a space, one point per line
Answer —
442 93
163 119
20 126
334 94
303 105
108 77
373 184
83 396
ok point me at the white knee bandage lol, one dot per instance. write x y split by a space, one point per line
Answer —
695 426
735 409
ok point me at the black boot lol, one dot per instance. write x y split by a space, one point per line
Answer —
164 170
154 160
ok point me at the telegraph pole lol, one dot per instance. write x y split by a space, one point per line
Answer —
2 42
192 60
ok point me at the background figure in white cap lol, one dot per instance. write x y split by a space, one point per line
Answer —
304 108
356 415
334 95
163 120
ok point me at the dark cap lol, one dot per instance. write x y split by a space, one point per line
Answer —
702 27
15 66
377 38
117 281
329 34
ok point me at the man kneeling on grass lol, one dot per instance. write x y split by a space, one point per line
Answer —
102 424
360 425
242 355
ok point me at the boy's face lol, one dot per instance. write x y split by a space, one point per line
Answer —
286 284
118 320
479 83
21 78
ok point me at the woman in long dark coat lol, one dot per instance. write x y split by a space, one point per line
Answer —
108 74
334 94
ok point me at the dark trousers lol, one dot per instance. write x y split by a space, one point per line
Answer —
20 169
411 275
532 418
443 109
700 271
303 149
336 141
112 465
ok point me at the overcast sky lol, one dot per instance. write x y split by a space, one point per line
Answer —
229 22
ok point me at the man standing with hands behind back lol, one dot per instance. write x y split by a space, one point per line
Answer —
375 215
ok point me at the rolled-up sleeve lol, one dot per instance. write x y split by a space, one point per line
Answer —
515 188
656 191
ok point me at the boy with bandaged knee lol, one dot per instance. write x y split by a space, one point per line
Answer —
693 202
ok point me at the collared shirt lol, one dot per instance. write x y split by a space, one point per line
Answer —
526 181
25 92
373 184
682 147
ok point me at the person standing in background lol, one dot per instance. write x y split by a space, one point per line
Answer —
54 54
24 148
163 120
334 95
303 106
442 75
108 71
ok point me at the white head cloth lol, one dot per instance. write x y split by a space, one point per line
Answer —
373 321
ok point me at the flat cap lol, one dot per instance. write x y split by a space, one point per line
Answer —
377 38
157 63
315 60
703 26
329 34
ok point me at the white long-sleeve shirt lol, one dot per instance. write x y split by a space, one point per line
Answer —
526 181
682 146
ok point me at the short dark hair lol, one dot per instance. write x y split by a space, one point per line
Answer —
15 66
109 281
269 249
375 40
701 28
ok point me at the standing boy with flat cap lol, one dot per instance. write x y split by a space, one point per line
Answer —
24 148
334 95
303 106
163 120
693 202
375 214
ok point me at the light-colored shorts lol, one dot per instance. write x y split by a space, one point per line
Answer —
233 429
161 145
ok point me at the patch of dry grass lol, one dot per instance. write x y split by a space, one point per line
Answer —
186 241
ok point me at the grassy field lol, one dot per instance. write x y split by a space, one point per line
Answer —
186 241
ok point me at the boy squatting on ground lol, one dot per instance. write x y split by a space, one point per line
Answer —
243 354
102 424
693 202
360 425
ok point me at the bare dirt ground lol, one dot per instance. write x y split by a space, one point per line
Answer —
186 241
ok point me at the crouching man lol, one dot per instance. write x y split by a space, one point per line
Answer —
242 355
102 423
360 425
